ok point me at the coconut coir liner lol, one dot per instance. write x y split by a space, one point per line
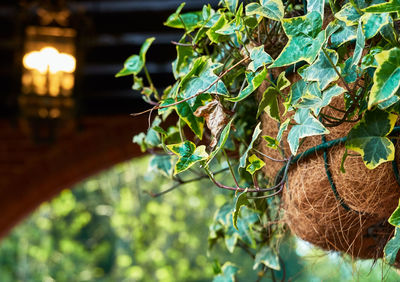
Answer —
311 209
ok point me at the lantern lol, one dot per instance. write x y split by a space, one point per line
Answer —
48 77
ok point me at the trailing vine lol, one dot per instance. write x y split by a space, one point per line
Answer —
348 49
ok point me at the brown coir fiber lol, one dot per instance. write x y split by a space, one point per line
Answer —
314 214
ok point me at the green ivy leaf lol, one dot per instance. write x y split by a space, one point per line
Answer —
321 70
241 200
256 133
244 229
392 248
269 104
373 23
254 80
162 164
387 7
255 164
348 14
307 126
267 256
187 154
188 21
135 63
369 139
305 39
259 58
228 273
386 77
271 9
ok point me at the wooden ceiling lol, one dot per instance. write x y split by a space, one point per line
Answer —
114 31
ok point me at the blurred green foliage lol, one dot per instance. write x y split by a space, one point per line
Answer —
108 229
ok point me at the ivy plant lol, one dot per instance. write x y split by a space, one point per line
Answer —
346 49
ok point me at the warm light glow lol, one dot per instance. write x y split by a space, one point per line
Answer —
49 60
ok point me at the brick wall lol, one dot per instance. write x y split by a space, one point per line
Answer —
31 173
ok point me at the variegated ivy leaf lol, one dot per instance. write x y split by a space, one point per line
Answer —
162 164
360 44
254 80
296 91
386 77
255 164
221 142
305 39
134 64
269 104
271 142
200 78
244 229
256 133
316 5
349 72
181 65
373 23
259 58
188 21
241 200
348 14
391 6
271 9
389 33
231 5
282 128
149 140
187 154
267 256
186 113
212 32
392 248
394 219
315 100
231 27
343 34
322 70
307 125
369 61
368 138
228 273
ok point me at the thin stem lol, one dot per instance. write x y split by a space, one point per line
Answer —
337 72
179 182
268 157
277 186
150 81
194 95
230 168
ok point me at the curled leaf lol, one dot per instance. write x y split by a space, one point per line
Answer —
216 117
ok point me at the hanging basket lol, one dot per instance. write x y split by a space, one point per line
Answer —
336 211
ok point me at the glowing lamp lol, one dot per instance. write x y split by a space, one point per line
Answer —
48 75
